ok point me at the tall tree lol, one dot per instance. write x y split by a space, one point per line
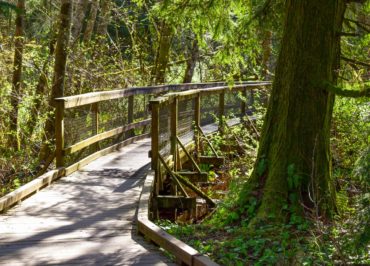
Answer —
163 52
17 72
61 53
293 163
191 62
91 21
80 8
104 17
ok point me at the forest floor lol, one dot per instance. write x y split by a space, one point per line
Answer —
302 240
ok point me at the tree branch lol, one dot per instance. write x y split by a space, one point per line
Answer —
359 24
354 61
365 92
350 34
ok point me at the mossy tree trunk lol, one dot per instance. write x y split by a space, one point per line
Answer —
293 166
17 74
191 62
163 54
57 90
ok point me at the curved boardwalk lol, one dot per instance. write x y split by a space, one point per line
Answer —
87 218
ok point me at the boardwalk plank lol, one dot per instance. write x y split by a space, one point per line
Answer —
87 218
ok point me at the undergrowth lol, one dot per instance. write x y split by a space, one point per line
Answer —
228 240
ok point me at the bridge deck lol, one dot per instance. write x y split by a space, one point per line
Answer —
87 218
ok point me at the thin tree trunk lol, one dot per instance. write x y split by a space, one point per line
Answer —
17 74
163 52
104 17
191 62
79 12
266 56
91 21
59 70
293 163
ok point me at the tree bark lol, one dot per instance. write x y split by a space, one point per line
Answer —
17 74
163 52
91 21
104 17
79 12
61 53
293 166
191 62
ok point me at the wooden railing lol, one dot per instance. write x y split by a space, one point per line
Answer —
99 134
169 148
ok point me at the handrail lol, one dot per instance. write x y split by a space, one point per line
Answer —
166 122
94 99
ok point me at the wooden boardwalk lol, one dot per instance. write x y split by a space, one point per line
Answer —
87 218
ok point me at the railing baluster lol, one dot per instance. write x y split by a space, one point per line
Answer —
59 133
221 110
197 124
130 115
95 110
174 125
154 106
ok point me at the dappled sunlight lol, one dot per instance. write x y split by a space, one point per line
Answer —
87 218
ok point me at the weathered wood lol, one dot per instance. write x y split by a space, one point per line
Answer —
188 155
105 135
173 127
208 141
178 248
74 167
59 133
29 188
95 110
171 202
86 218
216 161
130 114
92 97
221 111
154 106
194 176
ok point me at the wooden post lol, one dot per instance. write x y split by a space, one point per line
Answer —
197 125
59 133
174 123
243 106
95 110
154 106
130 115
221 111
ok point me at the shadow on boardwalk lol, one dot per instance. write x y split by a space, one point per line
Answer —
87 218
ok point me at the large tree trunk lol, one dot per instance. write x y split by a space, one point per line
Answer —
294 161
17 74
59 70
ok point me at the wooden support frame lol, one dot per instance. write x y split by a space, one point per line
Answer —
188 155
208 142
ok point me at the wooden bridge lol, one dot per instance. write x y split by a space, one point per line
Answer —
111 189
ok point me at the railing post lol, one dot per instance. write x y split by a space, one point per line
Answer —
95 110
243 107
221 111
130 115
197 124
154 107
59 133
174 125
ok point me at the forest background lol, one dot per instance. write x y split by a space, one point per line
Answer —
119 44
